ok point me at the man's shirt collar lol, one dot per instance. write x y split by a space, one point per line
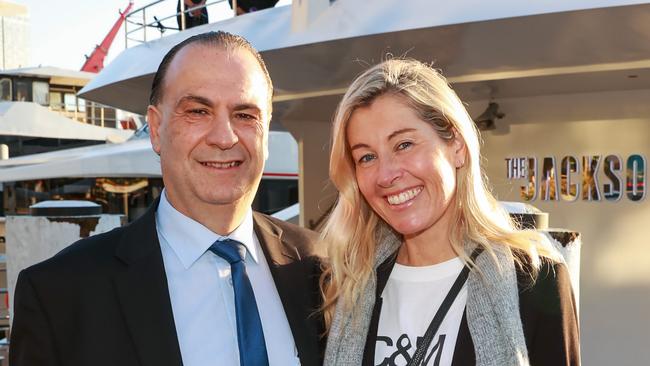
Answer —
189 239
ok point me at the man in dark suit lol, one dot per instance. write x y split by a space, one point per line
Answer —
199 279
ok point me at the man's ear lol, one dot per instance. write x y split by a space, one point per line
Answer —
154 119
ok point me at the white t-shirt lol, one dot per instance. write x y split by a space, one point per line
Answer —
411 298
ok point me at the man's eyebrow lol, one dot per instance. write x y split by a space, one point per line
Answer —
399 132
245 106
195 99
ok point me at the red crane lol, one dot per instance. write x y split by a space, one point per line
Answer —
95 62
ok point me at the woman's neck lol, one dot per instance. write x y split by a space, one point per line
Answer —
429 247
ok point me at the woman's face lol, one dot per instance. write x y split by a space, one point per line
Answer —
405 171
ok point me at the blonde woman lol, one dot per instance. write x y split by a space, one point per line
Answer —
425 268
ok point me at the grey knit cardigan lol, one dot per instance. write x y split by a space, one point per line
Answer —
492 312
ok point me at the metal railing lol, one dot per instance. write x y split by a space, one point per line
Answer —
142 23
92 113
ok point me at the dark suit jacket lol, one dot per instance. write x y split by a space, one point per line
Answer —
548 316
104 300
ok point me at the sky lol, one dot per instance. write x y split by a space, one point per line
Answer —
63 31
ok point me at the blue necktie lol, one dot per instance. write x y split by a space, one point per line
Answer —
250 336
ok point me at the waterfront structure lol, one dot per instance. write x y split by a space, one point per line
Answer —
572 78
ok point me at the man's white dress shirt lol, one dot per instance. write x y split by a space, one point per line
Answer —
201 292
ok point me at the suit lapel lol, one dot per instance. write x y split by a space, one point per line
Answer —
144 295
295 284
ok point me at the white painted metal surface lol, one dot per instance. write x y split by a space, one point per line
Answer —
33 120
55 74
473 41
290 213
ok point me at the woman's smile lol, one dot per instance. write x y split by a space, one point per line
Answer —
405 196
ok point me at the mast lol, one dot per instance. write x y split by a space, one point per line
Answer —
95 62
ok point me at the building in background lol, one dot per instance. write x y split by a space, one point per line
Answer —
14 35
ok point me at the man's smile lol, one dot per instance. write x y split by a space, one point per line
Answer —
221 164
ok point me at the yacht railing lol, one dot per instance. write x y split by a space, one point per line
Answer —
143 24
92 113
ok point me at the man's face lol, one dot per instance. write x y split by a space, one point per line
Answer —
211 128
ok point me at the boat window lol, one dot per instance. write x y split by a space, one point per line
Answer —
70 101
41 92
23 92
81 105
5 89
109 117
56 101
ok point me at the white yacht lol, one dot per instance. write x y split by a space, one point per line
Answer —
40 111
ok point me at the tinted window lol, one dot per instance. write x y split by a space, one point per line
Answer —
275 194
5 89
23 90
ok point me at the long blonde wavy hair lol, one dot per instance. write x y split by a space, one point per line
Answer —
350 232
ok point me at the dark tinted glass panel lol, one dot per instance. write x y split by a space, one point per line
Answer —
275 194
5 89
23 90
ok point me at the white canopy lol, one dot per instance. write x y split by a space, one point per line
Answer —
55 74
475 42
32 120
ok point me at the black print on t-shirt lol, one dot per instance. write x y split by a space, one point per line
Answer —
402 347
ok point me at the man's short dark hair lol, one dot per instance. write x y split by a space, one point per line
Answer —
220 39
